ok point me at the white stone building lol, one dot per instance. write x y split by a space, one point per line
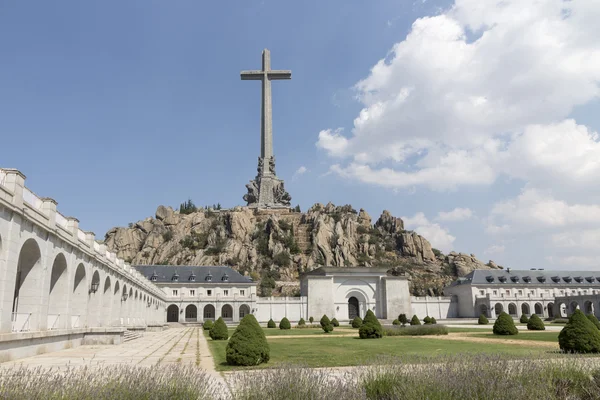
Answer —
519 292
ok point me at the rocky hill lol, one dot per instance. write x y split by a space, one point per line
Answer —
275 246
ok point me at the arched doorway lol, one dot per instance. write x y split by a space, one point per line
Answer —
244 310
28 280
573 306
563 310
58 307
172 313
525 309
93 313
80 298
353 309
539 309
106 302
512 309
209 312
498 309
191 313
550 310
483 310
227 312
589 307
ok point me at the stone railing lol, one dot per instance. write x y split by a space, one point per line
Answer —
43 212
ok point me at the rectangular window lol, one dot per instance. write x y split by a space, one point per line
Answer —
209 292
520 293
192 292
508 292
495 293
482 292
175 292
225 292
242 292
533 292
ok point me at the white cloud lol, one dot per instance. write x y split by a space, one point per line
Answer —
300 171
495 249
458 214
475 92
575 261
439 237
582 239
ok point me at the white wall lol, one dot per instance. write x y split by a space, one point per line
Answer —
436 307
276 308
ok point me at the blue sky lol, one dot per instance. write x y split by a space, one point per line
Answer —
113 108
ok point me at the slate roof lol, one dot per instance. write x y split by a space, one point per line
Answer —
345 270
526 276
164 273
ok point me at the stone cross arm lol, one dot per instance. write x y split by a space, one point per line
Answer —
274 74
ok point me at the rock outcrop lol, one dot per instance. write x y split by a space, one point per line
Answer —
278 245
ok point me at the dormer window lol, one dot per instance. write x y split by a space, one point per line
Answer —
208 277
502 279
192 277
489 278
578 279
515 279
590 279
541 279
154 277
175 277
567 279
556 279
225 278
526 279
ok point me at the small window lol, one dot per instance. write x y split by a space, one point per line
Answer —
225 292
208 277
562 292
209 292
192 292
482 292
242 292
175 292
533 292
175 277
225 278
508 292
192 277
154 277
520 293
495 293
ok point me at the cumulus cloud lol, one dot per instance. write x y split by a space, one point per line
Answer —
458 214
301 171
439 237
480 90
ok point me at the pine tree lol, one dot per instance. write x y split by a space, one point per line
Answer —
505 325
248 344
579 335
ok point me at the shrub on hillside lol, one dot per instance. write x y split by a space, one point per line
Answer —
248 344
535 323
371 328
326 324
219 330
402 318
335 322
427 320
285 324
594 320
395 322
483 320
415 320
302 322
271 324
418 330
505 325
356 322
524 319
579 335
208 324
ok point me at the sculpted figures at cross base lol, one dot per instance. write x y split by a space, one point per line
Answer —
266 190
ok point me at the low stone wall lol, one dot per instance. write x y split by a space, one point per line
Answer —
14 346
157 327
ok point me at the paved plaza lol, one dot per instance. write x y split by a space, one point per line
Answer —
172 346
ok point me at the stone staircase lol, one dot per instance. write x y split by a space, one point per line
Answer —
131 335
303 237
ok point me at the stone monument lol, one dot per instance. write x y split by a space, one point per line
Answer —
266 190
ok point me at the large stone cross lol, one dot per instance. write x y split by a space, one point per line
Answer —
266 122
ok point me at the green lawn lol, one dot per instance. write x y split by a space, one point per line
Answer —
541 336
342 351
304 331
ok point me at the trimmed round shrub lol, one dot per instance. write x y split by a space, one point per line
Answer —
356 322
371 328
536 324
427 320
593 320
483 320
219 330
579 335
415 320
207 324
271 324
433 321
326 324
505 325
248 344
524 319
285 324
311 320
302 322
402 318
395 322
335 322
